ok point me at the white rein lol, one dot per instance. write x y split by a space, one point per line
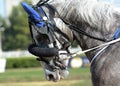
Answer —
105 45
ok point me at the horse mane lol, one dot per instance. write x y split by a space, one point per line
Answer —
98 14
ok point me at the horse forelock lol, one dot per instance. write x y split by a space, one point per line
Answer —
98 14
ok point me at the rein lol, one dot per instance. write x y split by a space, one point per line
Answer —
99 46
114 40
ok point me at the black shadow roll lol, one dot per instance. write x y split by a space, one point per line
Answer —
42 52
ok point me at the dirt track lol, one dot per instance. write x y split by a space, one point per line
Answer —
42 83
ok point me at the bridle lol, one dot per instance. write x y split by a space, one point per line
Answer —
80 31
73 27
39 24
42 2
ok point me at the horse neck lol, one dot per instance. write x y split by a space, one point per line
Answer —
86 42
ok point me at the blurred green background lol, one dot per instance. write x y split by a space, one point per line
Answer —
35 77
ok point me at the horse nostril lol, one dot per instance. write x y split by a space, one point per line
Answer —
51 77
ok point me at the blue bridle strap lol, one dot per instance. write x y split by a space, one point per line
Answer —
117 34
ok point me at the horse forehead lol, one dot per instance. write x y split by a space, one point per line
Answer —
58 22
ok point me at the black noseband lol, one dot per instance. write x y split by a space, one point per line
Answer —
42 52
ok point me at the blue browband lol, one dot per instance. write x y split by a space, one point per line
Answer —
35 17
117 34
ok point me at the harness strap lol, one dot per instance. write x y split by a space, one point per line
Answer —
99 52
99 46
41 12
42 2
117 33
115 39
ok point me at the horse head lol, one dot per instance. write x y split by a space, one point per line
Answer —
51 39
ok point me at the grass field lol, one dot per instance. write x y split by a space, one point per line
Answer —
35 77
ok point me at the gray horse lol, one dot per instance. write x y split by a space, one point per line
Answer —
100 20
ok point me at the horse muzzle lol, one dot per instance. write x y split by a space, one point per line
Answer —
56 75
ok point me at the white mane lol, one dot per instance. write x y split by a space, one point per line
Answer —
96 13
